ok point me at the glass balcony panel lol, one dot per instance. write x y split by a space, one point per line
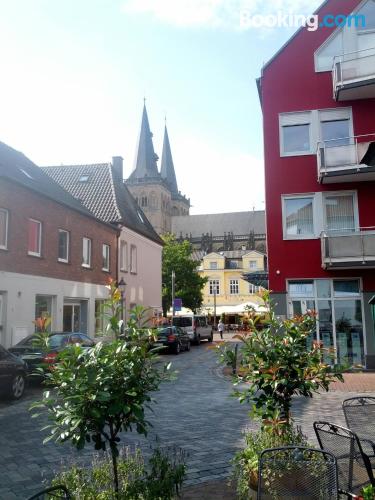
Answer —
350 250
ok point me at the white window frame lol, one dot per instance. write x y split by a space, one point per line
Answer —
124 256
6 212
213 265
107 249
315 232
294 119
215 282
88 264
253 266
67 246
315 128
319 213
234 282
36 254
133 259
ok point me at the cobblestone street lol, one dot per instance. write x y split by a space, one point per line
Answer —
195 412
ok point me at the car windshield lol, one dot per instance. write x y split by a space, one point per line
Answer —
164 331
58 341
183 321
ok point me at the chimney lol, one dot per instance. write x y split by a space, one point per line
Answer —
117 164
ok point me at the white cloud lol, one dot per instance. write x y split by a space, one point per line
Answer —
214 13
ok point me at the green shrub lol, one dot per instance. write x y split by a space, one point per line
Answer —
245 462
160 479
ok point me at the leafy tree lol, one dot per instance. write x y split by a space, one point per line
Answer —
100 392
178 257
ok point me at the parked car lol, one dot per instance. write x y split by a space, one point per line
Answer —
12 374
34 355
196 326
174 338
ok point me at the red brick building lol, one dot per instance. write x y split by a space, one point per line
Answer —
55 256
318 101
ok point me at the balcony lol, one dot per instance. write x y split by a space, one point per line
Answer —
353 75
348 159
348 250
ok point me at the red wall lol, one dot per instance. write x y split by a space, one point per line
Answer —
289 83
23 204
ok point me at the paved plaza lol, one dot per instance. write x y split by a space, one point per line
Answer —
195 411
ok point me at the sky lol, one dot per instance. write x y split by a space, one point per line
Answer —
74 74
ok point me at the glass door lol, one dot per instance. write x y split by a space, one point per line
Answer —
72 317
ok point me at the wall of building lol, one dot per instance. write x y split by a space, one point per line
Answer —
23 204
293 69
143 285
158 207
18 294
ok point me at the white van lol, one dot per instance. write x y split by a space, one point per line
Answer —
196 326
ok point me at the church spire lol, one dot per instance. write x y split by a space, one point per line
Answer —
167 168
145 165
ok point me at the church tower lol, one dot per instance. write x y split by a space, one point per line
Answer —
156 192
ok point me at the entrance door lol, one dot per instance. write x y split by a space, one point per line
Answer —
72 317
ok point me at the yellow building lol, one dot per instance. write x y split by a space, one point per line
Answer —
226 285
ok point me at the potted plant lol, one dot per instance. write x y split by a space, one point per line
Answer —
277 363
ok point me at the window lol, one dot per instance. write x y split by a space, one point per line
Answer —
63 251
307 216
84 178
253 264
325 54
298 217
123 256
3 228
106 254
339 212
295 133
214 287
254 288
213 265
144 201
133 259
301 132
35 238
233 287
343 288
86 252
43 308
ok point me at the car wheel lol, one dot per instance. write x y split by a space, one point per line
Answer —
17 387
177 348
188 346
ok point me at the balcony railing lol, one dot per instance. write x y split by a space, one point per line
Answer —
353 75
348 159
348 249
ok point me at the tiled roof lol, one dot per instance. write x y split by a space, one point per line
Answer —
16 167
103 192
218 224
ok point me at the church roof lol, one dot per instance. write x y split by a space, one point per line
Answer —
239 223
145 165
102 191
167 167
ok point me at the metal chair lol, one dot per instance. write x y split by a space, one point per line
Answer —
354 467
53 492
297 473
359 415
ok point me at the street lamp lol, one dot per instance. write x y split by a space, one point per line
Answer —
122 286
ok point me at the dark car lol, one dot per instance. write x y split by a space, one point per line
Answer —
12 374
35 357
174 338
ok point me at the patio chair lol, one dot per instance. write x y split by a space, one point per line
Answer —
296 473
59 492
359 415
354 467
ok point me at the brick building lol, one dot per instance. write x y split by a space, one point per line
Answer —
55 256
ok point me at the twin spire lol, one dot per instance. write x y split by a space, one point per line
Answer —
146 159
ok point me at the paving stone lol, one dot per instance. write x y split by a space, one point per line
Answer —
195 412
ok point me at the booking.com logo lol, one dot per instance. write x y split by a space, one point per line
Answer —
312 23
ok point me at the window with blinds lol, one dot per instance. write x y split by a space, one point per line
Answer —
339 212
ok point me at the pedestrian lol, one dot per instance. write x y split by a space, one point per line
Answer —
221 328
